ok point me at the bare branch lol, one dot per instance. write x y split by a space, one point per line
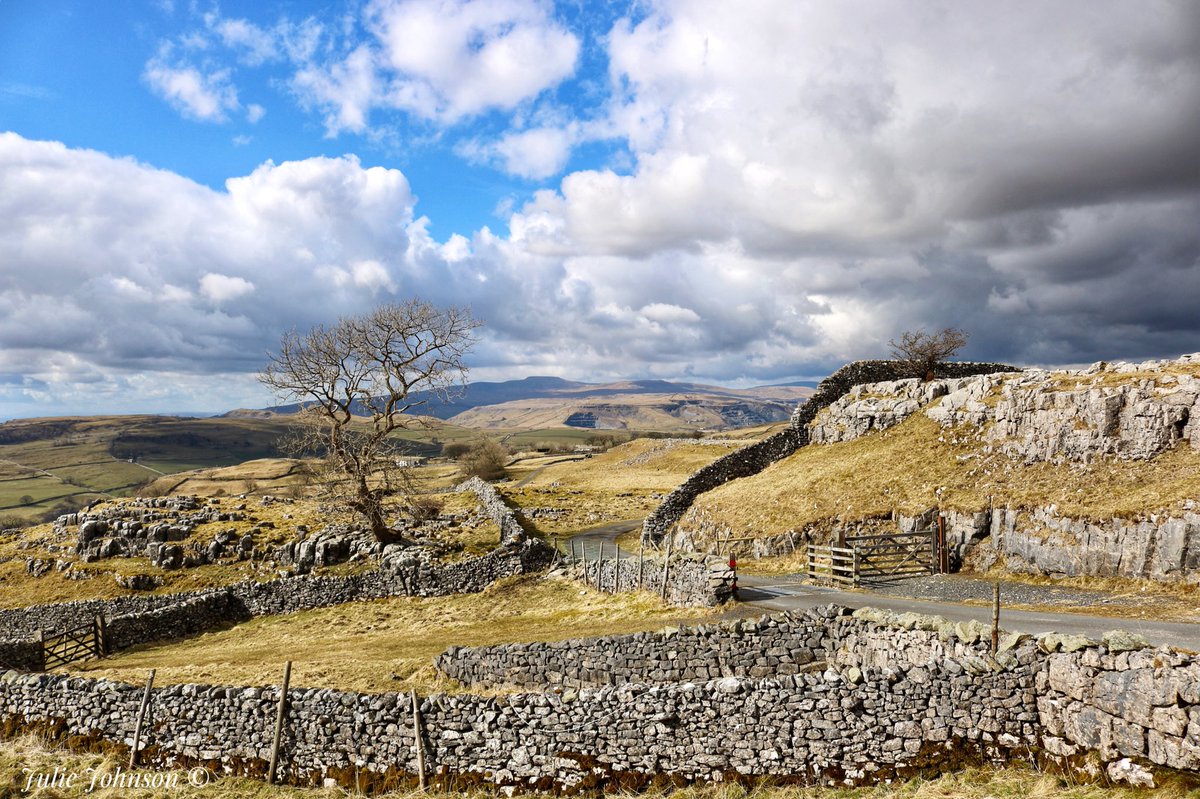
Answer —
354 379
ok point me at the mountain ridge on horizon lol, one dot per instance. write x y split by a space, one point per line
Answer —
543 387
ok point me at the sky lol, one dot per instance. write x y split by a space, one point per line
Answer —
735 193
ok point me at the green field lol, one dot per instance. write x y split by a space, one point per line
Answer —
61 461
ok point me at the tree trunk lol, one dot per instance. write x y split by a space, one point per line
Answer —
373 510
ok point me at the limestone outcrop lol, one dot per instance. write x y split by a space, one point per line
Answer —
1128 411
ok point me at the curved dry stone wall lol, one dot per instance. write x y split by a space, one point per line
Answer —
771 646
884 696
754 458
1120 410
493 504
133 620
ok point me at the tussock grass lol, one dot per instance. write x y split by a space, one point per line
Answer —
917 465
389 645
31 753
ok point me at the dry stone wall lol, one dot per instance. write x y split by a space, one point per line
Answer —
884 696
691 581
493 504
754 458
134 620
767 647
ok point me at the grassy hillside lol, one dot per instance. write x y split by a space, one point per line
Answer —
48 466
917 465
626 482
389 645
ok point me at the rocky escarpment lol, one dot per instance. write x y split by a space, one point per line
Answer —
1128 412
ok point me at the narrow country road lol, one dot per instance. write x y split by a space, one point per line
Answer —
792 592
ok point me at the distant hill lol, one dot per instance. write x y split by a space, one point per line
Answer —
664 412
627 404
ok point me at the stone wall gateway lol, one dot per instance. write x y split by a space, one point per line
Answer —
692 580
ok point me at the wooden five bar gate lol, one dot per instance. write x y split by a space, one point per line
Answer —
88 640
877 558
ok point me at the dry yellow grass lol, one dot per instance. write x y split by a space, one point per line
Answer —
30 755
261 476
389 645
917 465
627 482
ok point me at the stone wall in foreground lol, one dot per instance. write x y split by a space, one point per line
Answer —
893 695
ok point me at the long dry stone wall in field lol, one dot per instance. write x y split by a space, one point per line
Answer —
133 620
754 458
883 696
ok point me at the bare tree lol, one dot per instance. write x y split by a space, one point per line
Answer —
354 380
924 351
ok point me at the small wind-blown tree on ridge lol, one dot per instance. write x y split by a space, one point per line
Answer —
924 351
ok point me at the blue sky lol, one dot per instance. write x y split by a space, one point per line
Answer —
100 94
735 193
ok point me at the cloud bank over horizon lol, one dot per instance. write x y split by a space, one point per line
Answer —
783 188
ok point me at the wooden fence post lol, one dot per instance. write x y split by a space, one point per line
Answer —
41 638
279 714
101 636
418 743
141 719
